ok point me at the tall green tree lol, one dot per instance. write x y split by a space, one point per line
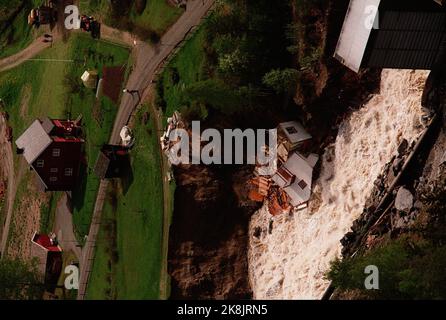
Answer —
282 81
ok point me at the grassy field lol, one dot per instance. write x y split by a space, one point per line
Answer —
97 119
157 15
188 64
129 252
38 88
17 34
17 37
48 213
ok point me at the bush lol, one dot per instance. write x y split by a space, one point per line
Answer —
282 81
196 111
140 5
73 83
146 34
214 93
407 270
19 280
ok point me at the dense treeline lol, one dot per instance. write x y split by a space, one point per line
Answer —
247 69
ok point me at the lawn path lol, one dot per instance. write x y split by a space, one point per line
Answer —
29 52
108 34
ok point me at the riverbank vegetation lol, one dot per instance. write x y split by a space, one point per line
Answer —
220 73
410 266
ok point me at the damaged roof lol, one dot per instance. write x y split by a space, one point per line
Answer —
294 131
301 167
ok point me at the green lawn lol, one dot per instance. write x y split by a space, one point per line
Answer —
129 249
38 85
48 212
19 34
188 63
97 118
36 89
157 16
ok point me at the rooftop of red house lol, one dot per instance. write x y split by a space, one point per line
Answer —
45 242
42 133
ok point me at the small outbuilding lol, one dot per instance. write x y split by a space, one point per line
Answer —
113 161
48 255
90 79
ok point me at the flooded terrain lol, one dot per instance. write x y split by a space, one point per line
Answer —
289 258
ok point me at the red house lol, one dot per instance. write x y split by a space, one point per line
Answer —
48 256
54 150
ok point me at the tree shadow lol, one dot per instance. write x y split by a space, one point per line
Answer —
126 174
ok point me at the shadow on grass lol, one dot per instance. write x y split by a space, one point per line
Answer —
78 196
127 176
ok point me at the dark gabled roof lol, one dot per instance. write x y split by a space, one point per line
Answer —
406 40
410 34
112 78
102 165
112 162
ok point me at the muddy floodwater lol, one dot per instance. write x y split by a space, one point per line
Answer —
289 261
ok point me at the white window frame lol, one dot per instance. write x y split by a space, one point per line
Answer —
68 172
54 170
56 152
40 163
53 179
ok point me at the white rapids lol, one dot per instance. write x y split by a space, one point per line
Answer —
290 263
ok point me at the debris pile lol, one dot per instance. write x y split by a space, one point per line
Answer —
173 123
278 202
258 188
127 137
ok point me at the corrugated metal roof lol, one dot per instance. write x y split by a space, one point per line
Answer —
410 35
102 165
33 141
406 40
